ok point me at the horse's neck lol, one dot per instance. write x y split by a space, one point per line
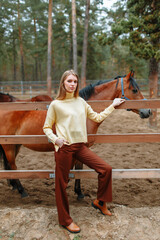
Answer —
107 91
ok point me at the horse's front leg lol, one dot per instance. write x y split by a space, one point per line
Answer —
9 156
77 187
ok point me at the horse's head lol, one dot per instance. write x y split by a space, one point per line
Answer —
7 98
121 87
128 89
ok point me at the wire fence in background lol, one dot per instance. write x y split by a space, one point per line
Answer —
32 88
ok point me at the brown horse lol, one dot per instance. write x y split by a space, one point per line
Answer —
9 98
31 122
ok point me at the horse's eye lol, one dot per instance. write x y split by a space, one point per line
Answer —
134 91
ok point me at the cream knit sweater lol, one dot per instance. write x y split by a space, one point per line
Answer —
69 116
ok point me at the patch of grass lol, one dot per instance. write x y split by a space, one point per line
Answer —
0 234
78 237
11 236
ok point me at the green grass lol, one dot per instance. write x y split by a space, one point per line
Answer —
77 237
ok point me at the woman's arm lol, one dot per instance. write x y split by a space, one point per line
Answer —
99 117
49 121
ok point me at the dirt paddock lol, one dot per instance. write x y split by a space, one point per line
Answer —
135 206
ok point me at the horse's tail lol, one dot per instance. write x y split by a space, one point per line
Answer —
4 159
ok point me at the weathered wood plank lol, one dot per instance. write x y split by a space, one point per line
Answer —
80 174
24 106
23 139
125 138
136 173
96 105
97 138
131 104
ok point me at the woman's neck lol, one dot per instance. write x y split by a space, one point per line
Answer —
69 95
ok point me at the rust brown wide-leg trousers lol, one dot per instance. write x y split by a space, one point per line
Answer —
63 160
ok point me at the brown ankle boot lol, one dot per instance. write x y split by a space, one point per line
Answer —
102 207
72 228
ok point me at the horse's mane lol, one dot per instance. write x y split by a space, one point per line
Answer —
133 83
87 92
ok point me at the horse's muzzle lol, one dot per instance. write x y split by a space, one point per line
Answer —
145 113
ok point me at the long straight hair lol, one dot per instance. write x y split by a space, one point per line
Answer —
62 91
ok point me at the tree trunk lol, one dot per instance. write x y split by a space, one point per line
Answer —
21 45
40 71
49 62
14 58
74 36
71 43
85 43
153 85
53 60
36 46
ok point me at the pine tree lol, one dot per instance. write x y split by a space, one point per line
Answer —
74 36
138 27
49 57
85 44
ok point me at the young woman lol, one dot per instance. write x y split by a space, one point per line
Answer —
69 113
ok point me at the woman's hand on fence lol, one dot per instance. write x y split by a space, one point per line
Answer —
117 101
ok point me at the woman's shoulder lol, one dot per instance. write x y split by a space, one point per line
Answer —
81 99
54 103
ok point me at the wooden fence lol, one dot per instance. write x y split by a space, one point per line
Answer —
97 138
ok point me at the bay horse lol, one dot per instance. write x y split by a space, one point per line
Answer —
31 122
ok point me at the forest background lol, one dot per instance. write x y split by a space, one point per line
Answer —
121 38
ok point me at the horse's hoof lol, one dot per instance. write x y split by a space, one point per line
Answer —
24 194
80 196
14 188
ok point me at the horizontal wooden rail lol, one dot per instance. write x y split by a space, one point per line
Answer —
80 174
24 106
131 104
96 138
125 138
96 105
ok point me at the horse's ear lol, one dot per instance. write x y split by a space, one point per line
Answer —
130 74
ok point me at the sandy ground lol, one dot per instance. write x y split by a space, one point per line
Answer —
135 206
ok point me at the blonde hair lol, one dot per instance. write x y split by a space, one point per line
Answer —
62 91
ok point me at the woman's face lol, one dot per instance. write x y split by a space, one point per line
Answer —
70 83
